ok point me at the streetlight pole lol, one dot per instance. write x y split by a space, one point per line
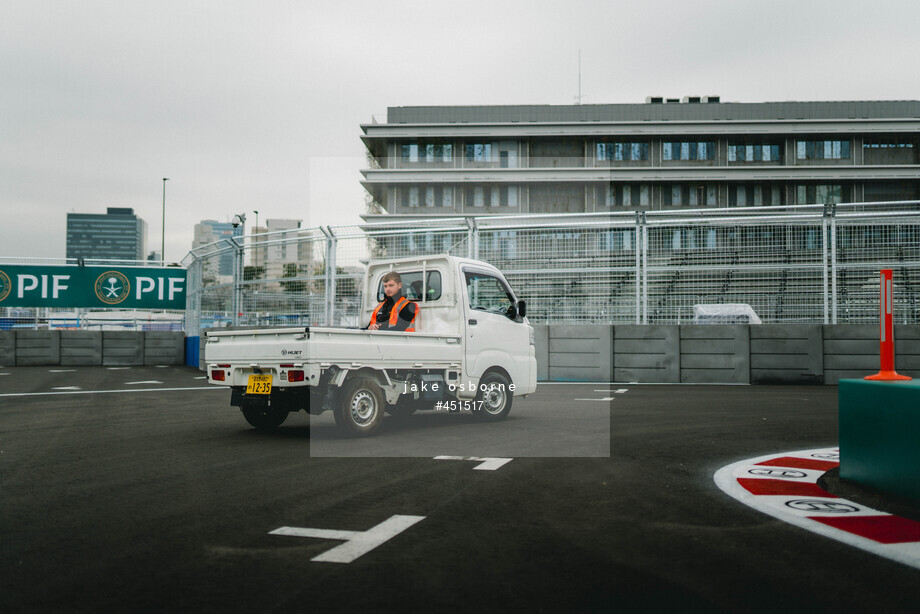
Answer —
253 258
163 236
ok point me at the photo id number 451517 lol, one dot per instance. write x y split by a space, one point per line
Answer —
454 405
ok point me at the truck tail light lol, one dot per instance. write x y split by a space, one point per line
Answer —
218 376
295 376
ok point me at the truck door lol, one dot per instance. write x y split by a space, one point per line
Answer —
494 331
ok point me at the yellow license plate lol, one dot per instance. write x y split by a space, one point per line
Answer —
259 384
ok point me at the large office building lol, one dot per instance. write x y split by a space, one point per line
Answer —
211 231
117 234
694 152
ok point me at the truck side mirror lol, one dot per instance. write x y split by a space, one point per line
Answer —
522 308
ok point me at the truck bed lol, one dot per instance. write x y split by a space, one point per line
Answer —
322 346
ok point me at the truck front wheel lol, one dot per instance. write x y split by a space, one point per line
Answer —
360 408
494 397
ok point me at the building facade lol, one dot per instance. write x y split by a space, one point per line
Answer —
277 252
117 234
694 153
211 231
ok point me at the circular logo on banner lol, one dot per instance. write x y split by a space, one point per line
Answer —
5 285
112 287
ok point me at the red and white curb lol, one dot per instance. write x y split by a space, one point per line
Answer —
785 486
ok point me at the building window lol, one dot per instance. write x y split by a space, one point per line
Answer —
688 150
620 152
754 153
818 194
822 150
755 195
426 196
427 152
492 196
690 194
627 195
479 152
887 145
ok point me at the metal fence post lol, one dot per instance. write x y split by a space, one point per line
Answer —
825 225
643 228
834 301
638 268
472 239
330 275
237 280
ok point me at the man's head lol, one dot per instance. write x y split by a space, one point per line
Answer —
392 284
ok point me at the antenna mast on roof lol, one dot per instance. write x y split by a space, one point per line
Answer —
578 97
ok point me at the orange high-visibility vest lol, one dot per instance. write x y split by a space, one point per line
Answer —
394 313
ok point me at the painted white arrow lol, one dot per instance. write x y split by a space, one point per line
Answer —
487 463
357 543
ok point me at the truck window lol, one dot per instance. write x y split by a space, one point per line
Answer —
489 293
413 287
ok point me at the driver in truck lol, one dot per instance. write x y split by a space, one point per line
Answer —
396 312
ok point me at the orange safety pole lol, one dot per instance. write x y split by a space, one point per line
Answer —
886 333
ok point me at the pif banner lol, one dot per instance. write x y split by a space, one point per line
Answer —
76 286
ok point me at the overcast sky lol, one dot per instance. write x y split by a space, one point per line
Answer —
250 105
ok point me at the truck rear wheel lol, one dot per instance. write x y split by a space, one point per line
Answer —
495 397
361 405
264 419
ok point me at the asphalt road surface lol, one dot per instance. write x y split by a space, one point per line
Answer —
154 495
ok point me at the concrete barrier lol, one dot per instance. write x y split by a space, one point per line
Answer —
541 347
580 353
715 354
122 348
850 351
907 349
202 359
7 348
164 348
787 354
80 347
646 353
38 348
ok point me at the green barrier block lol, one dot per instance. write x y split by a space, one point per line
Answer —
880 436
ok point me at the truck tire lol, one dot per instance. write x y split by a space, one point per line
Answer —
361 405
494 402
267 419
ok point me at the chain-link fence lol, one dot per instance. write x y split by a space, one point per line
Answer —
807 264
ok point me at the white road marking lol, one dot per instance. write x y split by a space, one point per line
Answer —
150 381
201 377
117 368
486 463
61 370
604 399
39 394
66 388
357 543
617 391
162 366
4 373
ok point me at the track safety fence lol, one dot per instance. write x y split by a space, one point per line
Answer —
796 264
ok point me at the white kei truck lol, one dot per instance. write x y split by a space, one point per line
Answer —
472 350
